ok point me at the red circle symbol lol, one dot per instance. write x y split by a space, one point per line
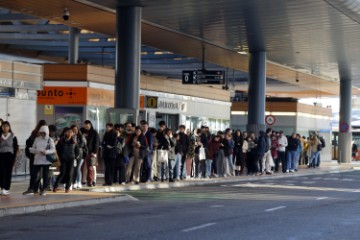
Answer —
270 120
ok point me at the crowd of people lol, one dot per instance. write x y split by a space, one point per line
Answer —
135 154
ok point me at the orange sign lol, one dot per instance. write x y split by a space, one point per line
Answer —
62 96
142 102
100 97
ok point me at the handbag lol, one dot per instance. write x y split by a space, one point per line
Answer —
202 155
57 162
51 157
163 155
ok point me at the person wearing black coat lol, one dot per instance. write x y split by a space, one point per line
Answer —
68 151
292 147
238 142
260 150
109 153
138 149
93 144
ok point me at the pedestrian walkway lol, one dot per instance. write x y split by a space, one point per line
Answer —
17 203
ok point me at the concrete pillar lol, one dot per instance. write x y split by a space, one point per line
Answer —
345 135
256 92
128 53
73 45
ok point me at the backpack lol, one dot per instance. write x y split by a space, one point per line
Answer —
323 144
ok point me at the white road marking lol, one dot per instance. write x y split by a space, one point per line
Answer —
296 187
216 206
274 209
322 198
198 227
308 182
223 185
358 190
347 179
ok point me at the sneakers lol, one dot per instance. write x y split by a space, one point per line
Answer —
4 192
287 171
75 185
79 185
292 171
42 193
28 192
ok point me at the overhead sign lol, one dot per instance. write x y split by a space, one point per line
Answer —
203 77
7 92
62 96
270 120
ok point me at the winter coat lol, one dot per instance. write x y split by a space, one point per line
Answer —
42 144
93 141
67 149
212 149
109 144
261 144
293 144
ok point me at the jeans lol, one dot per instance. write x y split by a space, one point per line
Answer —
147 165
171 168
177 166
313 159
197 165
221 163
164 166
208 164
292 158
230 164
183 170
78 170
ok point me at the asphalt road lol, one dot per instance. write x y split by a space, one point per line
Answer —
312 207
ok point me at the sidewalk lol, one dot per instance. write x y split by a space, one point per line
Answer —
16 203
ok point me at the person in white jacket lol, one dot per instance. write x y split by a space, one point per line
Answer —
42 146
281 152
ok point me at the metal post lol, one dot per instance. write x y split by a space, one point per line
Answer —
345 135
128 50
73 45
256 92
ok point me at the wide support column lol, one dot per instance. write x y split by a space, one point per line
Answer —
256 92
128 50
345 135
73 45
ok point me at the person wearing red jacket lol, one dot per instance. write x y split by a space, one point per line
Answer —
211 155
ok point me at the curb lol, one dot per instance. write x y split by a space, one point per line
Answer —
61 205
190 183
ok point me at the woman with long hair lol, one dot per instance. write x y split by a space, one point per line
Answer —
8 150
68 151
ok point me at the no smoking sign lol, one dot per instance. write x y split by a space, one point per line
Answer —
270 120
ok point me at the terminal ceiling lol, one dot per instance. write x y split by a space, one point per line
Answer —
308 40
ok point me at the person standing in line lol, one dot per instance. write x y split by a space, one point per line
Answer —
274 151
267 161
283 143
251 164
120 167
292 148
29 143
68 151
244 149
82 146
137 147
211 154
314 143
109 153
299 151
147 164
238 140
184 142
197 141
178 156
170 147
228 151
43 145
261 147
8 150
93 144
